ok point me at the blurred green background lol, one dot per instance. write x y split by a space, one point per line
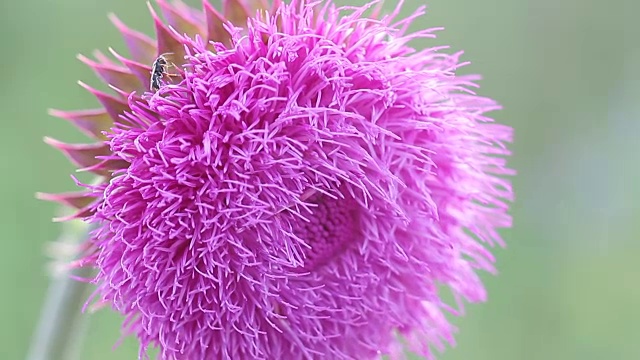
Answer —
568 75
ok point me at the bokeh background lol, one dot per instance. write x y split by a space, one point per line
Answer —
568 75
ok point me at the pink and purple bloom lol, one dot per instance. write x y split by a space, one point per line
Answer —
299 187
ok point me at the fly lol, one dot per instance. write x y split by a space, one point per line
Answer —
158 71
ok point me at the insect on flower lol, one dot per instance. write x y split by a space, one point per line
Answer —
298 198
159 70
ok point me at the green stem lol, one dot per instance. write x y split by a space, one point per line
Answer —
62 324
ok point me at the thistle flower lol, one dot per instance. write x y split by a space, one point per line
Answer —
299 185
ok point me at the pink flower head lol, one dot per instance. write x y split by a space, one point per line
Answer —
298 187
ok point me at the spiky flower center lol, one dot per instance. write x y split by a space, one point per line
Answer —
332 226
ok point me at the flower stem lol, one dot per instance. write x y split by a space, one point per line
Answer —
62 325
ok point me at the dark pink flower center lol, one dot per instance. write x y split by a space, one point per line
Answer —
331 228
